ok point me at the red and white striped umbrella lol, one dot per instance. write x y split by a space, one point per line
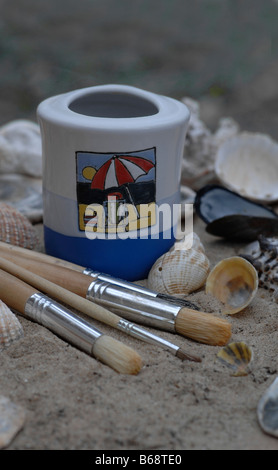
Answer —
120 169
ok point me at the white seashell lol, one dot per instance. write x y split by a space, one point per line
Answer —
10 328
24 193
267 410
12 420
248 164
179 272
20 148
228 128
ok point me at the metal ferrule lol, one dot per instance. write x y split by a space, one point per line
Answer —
119 282
134 305
144 335
61 321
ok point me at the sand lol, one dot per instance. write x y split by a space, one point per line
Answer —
74 402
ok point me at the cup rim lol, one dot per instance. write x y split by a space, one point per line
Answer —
57 109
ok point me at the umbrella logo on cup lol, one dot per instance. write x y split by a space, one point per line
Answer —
119 184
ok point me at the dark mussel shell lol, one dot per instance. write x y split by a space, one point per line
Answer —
232 216
243 227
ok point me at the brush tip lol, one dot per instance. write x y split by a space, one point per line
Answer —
203 327
117 355
183 355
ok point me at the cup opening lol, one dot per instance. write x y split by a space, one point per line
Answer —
113 105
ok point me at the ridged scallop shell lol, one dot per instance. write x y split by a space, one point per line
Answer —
179 271
248 164
234 282
237 356
10 328
15 228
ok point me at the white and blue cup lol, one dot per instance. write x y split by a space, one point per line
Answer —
112 159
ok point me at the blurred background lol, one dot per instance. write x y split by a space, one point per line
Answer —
223 53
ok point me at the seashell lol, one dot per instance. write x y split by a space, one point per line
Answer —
24 193
263 255
16 229
11 422
201 145
227 128
10 328
232 216
267 410
242 228
213 202
248 164
179 272
20 148
237 356
234 282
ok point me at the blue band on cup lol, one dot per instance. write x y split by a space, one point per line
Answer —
129 259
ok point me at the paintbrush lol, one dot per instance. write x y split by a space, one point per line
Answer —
134 303
41 309
35 255
98 312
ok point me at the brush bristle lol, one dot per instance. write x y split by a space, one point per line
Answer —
117 355
203 327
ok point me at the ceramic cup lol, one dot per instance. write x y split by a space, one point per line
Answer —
111 171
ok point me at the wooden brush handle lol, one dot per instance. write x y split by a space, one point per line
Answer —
38 256
14 292
69 279
47 287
